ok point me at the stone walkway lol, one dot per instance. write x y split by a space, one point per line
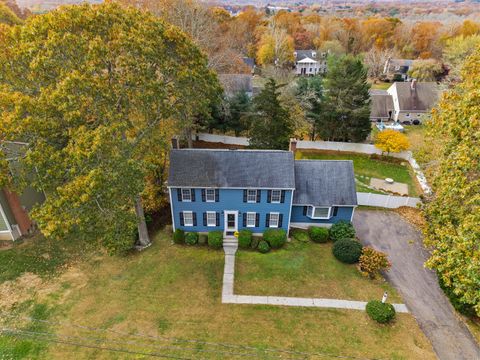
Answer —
228 297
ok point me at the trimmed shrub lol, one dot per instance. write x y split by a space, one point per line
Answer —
215 239
380 312
372 262
347 250
255 241
244 239
300 235
318 234
263 247
191 238
342 230
202 239
179 236
276 238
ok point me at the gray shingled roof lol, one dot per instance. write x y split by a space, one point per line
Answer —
303 54
381 106
231 168
235 83
324 183
423 98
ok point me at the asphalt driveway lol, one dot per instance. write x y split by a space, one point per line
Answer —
390 233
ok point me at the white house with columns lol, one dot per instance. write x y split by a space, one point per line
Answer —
310 62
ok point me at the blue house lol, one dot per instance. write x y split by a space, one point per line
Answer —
231 190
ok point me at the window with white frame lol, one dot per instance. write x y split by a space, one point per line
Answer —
251 217
321 213
210 195
276 196
188 218
186 195
274 218
251 196
211 218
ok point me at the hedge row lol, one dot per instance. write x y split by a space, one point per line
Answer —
214 239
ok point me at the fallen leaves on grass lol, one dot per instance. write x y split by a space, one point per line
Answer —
412 215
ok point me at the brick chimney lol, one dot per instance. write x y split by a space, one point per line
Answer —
175 142
293 145
19 212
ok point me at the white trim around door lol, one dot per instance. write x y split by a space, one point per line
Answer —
229 228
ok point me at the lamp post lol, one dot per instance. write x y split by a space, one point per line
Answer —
384 297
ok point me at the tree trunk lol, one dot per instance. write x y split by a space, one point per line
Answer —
188 135
143 238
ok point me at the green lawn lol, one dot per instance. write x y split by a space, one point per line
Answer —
366 168
305 269
172 296
381 85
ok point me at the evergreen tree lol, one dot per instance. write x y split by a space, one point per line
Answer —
238 107
310 96
346 110
271 125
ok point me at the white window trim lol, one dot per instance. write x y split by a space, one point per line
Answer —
206 195
270 219
185 219
248 200
183 198
254 219
321 217
214 218
279 197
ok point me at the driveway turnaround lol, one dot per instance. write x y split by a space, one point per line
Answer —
388 232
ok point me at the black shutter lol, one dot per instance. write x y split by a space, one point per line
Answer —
192 191
194 219
280 220
257 220
182 222
282 199
217 195
335 210
259 195
244 195
204 196
267 220
204 219
244 219
179 194
217 220
269 196
305 209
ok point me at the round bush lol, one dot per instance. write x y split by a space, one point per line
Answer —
215 239
202 239
380 312
318 234
276 238
179 236
263 247
342 230
244 239
347 250
191 238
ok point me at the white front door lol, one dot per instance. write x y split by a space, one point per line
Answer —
231 222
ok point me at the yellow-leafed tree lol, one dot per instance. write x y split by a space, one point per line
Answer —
391 141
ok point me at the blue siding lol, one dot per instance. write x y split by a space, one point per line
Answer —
344 213
229 199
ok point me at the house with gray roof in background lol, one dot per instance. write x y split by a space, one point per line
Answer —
397 69
231 190
310 62
235 83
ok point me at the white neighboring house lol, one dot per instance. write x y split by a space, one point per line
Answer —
310 62
412 100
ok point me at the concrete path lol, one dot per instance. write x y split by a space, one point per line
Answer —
388 232
228 297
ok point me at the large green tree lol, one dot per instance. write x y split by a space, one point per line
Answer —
453 215
346 108
310 96
271 125
95 92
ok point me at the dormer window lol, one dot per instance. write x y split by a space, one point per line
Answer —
314 54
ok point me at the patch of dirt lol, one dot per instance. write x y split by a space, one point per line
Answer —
412 215
199 144
30 286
